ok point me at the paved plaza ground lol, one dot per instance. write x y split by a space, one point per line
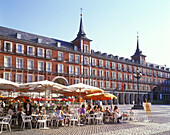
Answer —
159 126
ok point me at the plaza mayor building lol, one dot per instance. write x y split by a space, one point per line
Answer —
26 57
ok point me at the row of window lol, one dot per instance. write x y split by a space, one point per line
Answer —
19 77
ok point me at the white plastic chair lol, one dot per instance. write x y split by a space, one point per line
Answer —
42 121
74 118
26 119
6 121
99 118
89 118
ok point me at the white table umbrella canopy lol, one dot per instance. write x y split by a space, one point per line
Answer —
8 85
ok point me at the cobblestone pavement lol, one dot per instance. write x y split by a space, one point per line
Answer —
159 126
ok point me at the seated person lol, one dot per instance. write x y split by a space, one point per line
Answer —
118 115
82 110
100 108
11 112
111 108
67 110
60 115
40 110
89 108
107 112
95 108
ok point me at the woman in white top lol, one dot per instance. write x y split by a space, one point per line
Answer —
118 115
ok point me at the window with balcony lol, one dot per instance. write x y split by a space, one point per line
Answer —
77 70
19 63
130 77
107 84
94 83
113 75
113 65
19 48
134 69
124 67
86 72
40 77
100 63
107 74
40 52
93 62
130 68
86 82
154 73
7 61
101 84
30 64
119 76
60 68
86 50
40 66
60 56
30 78
71 59
48 54
7 46
119 86
19 78
77 81
71 69
100 73
107 64
77 59
114 85
125 76
94 72
130 86
155 81
7 76
119 66
86 60
30 50
48 66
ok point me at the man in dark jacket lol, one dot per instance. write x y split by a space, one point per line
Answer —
28 107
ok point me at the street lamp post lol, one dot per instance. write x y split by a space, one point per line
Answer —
138 75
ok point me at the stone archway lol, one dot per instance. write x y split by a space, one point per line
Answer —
61 80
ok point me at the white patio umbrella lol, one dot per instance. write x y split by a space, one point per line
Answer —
81 88
6 85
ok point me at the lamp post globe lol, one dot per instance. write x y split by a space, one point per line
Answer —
138 75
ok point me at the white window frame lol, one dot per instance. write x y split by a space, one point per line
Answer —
48 53
6 64
9 73
94 71
86 60
119 66
39 65
71 57
19 65
86 48
5 46
40 55
86 69
107 74
22 48
107 63
21 77
107 84
113 75
60 56
100 73
76 80
86 81
100 63
50 70
77 72
101 84
28 66
71 69
113 65
33 50
40 76
94 83
77 58
93 62
62 66
113 85
28 77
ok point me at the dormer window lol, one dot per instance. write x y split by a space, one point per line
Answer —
39 40
86 48
19 48
18 35
7 46
75 48
58 44
40 52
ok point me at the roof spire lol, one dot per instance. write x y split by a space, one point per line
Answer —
81 33
138 51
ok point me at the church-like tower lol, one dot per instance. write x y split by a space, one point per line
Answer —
81 42
138 56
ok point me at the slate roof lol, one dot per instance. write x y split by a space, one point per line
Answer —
8 32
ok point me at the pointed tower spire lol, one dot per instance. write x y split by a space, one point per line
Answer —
81 34
138 56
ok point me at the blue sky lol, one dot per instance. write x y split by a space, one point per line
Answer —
111 24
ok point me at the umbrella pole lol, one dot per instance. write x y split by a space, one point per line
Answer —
39 99
45 98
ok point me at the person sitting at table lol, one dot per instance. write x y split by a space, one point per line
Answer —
40 110
61 114
67 110
89 108
95 108
107 112
111 108
118 115
83 110
11 112
100 108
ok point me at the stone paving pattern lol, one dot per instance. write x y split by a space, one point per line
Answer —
159 126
